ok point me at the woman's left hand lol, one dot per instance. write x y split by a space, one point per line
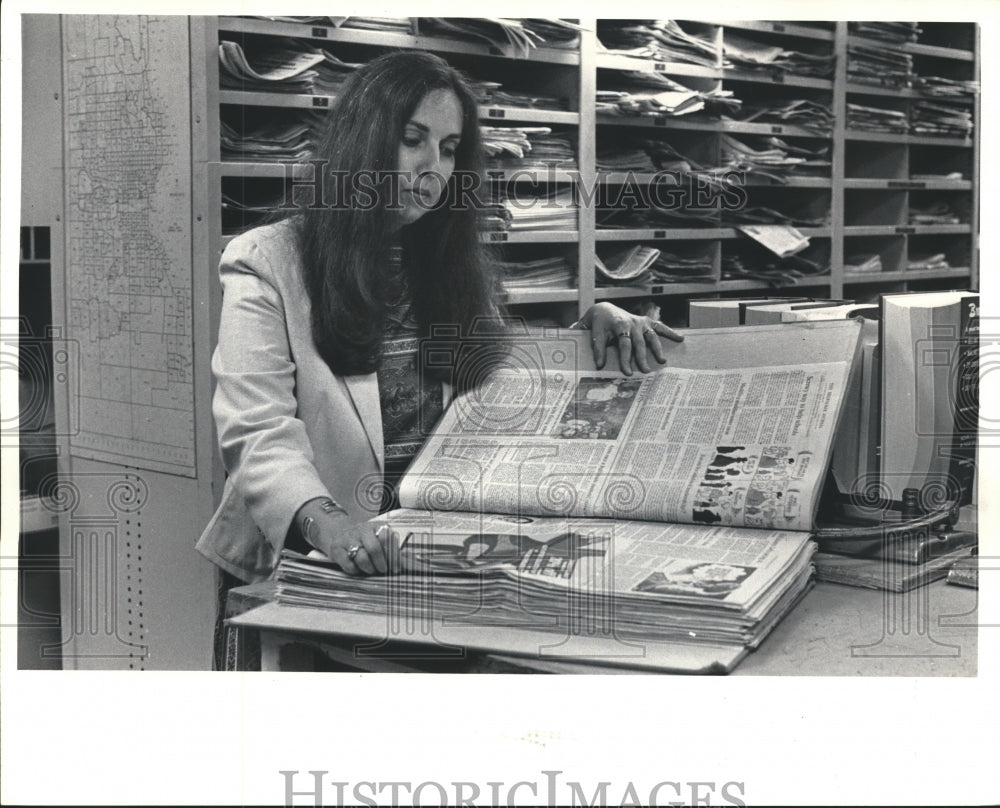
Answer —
635 336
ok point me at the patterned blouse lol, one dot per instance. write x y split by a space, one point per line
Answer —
411 402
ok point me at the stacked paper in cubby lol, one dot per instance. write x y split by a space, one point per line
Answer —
285 67
749 54
887 31
879 65
659 40
546 273
876 119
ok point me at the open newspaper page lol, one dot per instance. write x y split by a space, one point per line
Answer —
654 581
743 446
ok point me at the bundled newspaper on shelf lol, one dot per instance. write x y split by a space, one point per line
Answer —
557 210
285 66
936 261
746 53
546 273
940 118
886 31
397 24
521 35
527 147
288 139
631 153
866 118
639 94
772 157
761 214
863 262
659 40
756 263
938 211
630 264
642 266
879 65
798 112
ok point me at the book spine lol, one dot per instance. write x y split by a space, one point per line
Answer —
962 468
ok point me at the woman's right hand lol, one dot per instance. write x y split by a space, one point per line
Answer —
357 548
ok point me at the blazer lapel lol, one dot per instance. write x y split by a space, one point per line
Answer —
364 393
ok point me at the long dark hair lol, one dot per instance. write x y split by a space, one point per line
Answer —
345 250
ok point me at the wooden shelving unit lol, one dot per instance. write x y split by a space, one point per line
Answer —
865 199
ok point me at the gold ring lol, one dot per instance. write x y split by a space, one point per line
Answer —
624 334
352 551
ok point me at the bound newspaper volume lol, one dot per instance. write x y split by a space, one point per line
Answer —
673 506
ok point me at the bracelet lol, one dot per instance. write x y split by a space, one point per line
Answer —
329 506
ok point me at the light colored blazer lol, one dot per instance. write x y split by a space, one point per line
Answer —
289 429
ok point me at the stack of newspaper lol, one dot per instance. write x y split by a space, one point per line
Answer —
781 239
629 266
876 119
280 140
936 261
934 118
772 157
937 211
659 40
668 103
760 214
555 32
332 72
879 65
866 262
668 158
506 97
285 66
887 31
554 211
673 268
746 53
403 25
655 95
519 34
545 273
489 92
799 112
396 24
642 154
945 87
936 175
302 18
623 155
756 263
635 580
684 213
668 267
527 147
583 501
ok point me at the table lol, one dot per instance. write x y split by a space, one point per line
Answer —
835 630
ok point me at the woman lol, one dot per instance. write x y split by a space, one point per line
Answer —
320 401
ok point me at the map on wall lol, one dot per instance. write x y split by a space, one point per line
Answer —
128 238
